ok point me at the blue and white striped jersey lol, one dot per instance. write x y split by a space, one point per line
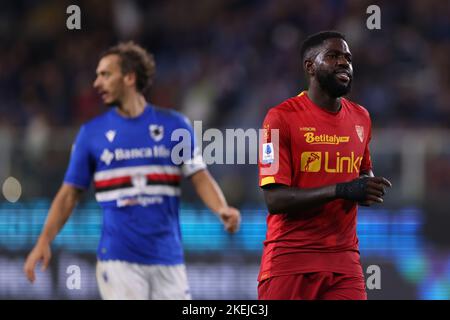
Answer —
137 181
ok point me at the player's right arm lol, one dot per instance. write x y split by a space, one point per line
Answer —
284 199
60 211
77 178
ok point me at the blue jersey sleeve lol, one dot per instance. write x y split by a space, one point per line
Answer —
81 166
193 161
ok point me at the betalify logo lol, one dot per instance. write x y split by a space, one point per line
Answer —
312 138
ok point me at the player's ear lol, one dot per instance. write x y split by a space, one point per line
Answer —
308 65
130 79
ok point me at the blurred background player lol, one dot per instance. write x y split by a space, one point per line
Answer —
311 248
127 152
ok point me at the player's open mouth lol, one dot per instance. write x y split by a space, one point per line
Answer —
343 76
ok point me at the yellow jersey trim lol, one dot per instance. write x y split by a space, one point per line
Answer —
267 180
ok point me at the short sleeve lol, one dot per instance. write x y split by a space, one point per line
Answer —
192 162
274 151
366 163
81 166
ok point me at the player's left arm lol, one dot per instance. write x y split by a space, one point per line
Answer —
366 171
212 196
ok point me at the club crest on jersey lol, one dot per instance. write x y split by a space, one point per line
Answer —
156 132
268 155
360 132
110 135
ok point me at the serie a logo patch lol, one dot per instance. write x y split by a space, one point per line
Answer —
268 155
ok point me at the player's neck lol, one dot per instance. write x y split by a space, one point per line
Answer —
322 99
132 106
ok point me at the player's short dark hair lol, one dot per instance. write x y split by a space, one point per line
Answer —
134 58
317 39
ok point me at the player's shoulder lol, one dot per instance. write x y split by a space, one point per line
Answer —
98 121
291 105
356 108
166 114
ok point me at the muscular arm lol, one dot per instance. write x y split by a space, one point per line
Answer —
60 210
212 196
283 199
366 190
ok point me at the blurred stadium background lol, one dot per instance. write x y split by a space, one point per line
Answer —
226 63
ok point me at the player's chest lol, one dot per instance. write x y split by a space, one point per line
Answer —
330 149
148 143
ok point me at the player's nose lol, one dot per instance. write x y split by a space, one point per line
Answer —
343 62
96 83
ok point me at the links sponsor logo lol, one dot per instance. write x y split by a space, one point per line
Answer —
314 162
311 161
312 138
121 154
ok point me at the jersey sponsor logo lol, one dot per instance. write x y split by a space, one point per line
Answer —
139 200
360 132
121 154
312 138
107 156
314 162
110 135
134 153
307 129
311 161
156 132
268 155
